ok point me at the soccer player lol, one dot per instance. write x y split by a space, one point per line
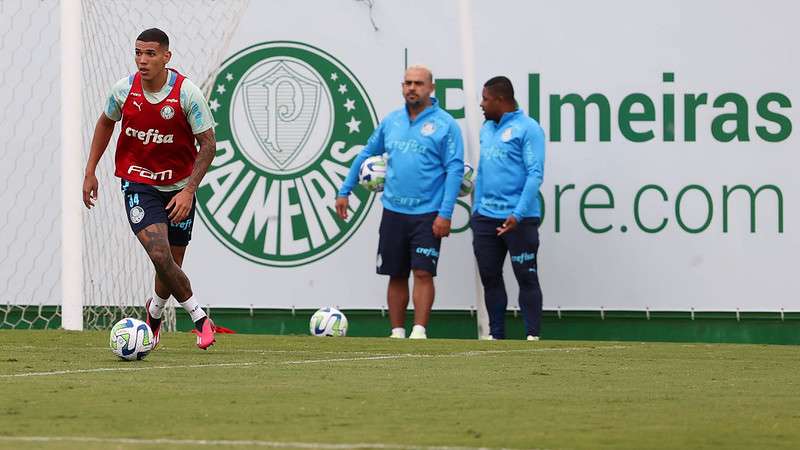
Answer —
506 211
424 170
162 115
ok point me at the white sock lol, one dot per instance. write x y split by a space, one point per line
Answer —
157 306
418 329
399 331
193 308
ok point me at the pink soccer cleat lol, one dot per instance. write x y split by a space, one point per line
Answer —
205 338
150 321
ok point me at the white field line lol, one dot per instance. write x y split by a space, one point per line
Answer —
126 369
185 366
453 355
312 361
359 358
216 442
218 351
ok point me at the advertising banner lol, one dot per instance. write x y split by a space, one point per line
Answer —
668 177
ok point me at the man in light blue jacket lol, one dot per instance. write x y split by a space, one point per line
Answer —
425 164
506 212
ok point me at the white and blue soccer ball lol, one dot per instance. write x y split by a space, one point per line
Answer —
328 322
372 173
131 339
467 182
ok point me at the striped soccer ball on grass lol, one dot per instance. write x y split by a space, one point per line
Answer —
467 182
131 339
328 322
372 173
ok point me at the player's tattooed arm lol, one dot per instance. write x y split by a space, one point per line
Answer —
181 204
208 148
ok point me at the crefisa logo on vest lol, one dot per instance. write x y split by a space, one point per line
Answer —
290 120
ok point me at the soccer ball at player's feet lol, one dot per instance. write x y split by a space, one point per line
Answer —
372 173
532 338
131 339
328 322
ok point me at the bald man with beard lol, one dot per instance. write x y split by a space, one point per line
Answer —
425 164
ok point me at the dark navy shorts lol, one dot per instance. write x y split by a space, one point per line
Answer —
147 205
407 243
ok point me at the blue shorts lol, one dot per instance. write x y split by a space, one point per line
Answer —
407 243
147 205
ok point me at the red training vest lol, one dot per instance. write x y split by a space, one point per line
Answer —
156 143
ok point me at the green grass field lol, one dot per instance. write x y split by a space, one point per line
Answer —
66 390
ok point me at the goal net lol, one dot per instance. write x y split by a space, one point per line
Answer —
117 274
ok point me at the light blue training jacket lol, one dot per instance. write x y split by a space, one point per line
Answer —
511 167
425 161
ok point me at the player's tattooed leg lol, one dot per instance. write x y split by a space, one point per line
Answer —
154 240
161 287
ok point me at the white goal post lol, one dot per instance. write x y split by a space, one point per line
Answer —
71 158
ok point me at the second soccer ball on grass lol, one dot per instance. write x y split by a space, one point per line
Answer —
328 322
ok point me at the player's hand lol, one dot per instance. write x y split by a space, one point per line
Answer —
441 227
89 190
342 203
181 205
508 225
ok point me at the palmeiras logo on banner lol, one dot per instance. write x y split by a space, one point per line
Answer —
290 120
